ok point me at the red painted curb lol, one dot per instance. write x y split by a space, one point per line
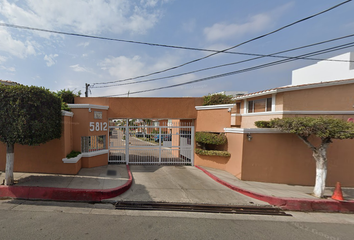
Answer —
64 194
293 204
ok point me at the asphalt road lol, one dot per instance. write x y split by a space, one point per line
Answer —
53 220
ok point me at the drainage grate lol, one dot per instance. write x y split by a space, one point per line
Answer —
185 207
111 172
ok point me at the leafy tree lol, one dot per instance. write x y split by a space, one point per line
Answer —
67 95
215 99
324 128
29 116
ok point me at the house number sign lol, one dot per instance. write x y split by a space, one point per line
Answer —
98 126
97 115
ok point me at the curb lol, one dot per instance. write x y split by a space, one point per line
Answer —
292 204
64 194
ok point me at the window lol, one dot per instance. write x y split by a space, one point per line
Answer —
93 143
260 105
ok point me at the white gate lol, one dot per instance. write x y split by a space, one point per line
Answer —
170 144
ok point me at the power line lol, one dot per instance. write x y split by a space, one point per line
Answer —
243 70
234 63
240 44
116 39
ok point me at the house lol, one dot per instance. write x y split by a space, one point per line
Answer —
8 83
267 155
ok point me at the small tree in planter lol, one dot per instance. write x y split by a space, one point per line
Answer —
209 141
324 128
29 116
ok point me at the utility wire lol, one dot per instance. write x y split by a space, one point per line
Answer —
244 70
240 44
116 39
234 63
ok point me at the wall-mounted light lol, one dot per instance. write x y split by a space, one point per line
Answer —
249 137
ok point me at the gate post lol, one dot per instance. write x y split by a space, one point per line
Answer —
160 144
192 145
127 142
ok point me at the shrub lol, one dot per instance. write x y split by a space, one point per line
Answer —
212 152
210 138
65 107
263 124
73 154
215 99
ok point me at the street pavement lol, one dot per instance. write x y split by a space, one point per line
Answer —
67 220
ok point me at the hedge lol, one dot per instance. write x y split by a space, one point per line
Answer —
212 153
216 99
210 138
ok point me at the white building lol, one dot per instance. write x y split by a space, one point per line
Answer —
326 70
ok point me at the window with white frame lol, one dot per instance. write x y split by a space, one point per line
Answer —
260 105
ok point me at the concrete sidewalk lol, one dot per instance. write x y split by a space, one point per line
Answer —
275 189
105 177
180 184
90 184
288 197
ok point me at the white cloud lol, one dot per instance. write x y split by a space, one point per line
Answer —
125 67
90 17
50 59
83 44
10 69
224 31
152 3
78 68
2 59
255 23
15 47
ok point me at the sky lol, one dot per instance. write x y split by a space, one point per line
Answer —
57 61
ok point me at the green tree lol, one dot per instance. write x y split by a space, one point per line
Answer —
29 116
215 99
325 129
67 95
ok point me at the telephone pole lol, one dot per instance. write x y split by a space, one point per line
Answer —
86 87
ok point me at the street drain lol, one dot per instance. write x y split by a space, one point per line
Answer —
111 172
208 208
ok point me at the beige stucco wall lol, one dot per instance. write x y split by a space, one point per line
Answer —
231 164
334 98
284 158
248 121
169 108
214 120
45 158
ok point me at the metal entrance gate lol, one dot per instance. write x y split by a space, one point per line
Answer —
166 145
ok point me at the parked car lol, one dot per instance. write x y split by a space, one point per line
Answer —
163 137
167 137
157 137
139 134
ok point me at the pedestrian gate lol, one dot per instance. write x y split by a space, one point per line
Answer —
166 145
